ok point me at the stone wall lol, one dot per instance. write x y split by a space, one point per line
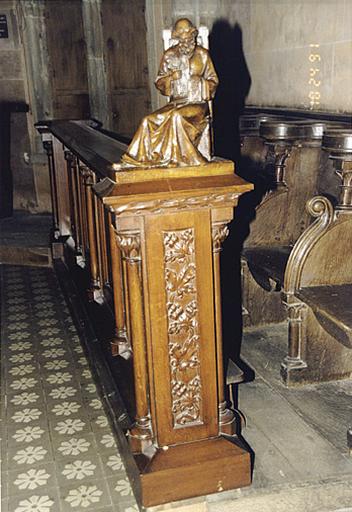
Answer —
13 88
285 69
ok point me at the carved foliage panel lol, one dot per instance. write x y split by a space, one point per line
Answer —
179 304
182 326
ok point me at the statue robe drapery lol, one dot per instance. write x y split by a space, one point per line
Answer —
174 134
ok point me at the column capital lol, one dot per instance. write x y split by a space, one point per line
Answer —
219 232
129 243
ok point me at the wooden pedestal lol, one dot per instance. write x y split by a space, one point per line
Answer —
169 232
193 469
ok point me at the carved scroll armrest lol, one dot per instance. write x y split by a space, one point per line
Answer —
321 208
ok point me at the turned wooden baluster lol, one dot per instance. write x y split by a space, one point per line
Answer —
48 146
99 242
73 191
227 423
89 181
81 246
105 279
82 209
129 243
120 344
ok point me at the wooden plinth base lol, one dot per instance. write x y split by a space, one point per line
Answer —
193 469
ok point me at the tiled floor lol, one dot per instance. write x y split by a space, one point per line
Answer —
58 451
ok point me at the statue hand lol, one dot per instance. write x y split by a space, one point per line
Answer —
176 75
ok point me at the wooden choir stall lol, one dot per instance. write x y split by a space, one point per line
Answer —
296 264
149 242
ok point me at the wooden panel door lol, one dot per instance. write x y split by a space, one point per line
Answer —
67 53
124 30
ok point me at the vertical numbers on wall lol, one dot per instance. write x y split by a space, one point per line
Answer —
314 80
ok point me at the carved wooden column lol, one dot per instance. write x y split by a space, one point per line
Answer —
279 137
47 140
169 227
73 194
226 417
339 145
120 345
130 245
296 317
89 180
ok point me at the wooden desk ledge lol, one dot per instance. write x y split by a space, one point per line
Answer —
332 306
268 265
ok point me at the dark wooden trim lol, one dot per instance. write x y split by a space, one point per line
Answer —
299 113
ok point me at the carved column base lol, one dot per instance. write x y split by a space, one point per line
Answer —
95 294
226 466
292 369
55 234
227 420
80 260
120 345
140 437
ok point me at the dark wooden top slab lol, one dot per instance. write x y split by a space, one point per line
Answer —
98 151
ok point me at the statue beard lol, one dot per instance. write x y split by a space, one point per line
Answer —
187 48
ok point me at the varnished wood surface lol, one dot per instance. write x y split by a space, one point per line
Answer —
215 464
267 263
206 424
68 59
125 53
332 305
166 230
299 114
96 150
120 194
325 407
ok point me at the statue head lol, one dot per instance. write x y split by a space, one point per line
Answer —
186 34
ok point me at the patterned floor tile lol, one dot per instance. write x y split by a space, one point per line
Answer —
121 491
22 435
22 416
24 392
73 445
26 456
89 495
100 423
79 468
106 442
112 465
69 426
46 500
35 479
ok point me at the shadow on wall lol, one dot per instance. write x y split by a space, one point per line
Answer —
225 42
226 50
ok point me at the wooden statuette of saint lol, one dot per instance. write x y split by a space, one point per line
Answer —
178 134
